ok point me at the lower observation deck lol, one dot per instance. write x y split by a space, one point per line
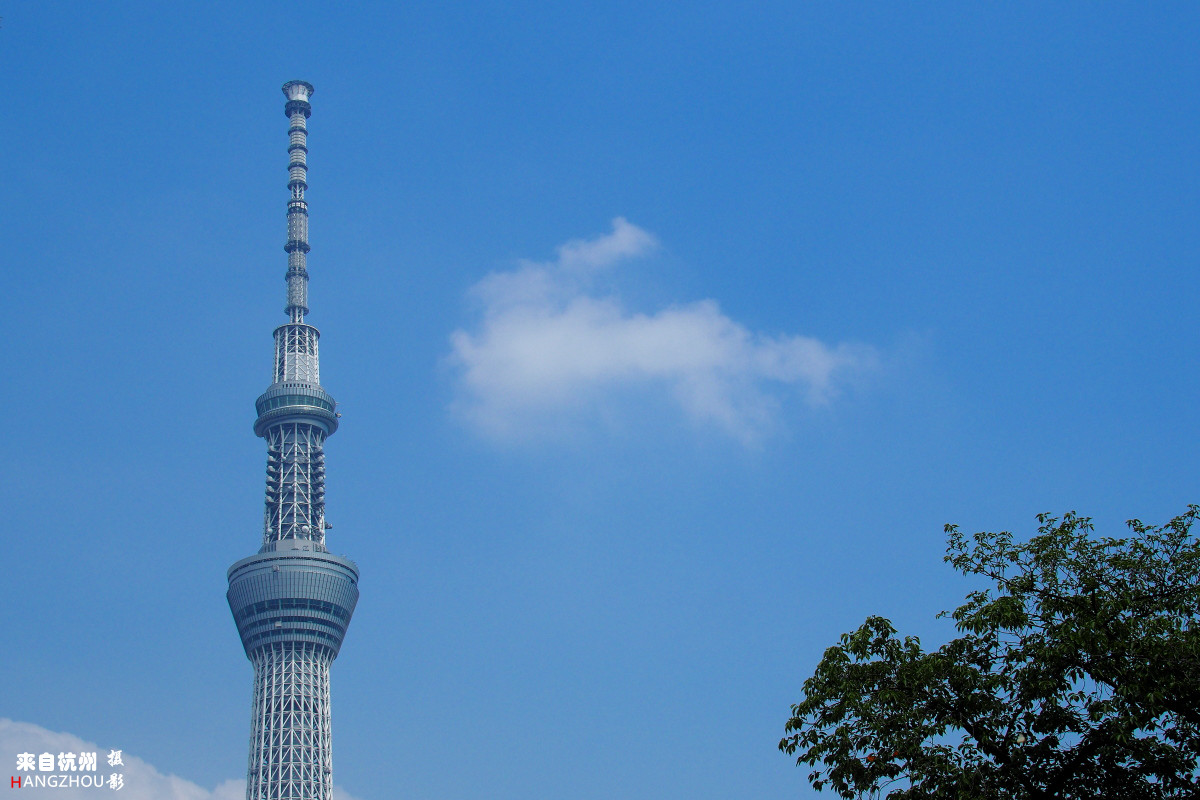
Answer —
295 594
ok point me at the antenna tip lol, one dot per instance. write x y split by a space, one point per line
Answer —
297 90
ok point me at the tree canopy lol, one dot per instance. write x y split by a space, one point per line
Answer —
1076 674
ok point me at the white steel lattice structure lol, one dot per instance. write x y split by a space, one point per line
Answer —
291 716
293 600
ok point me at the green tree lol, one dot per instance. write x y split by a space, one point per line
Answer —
1076 675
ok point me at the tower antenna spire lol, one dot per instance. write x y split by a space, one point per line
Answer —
293 600
298 110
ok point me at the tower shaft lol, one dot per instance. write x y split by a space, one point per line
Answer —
295 415
291 736
293 600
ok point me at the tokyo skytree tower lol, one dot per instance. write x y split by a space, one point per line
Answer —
292 601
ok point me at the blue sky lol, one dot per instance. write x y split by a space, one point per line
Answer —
667 339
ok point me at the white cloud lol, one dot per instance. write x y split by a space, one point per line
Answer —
625 241
142 781
549 347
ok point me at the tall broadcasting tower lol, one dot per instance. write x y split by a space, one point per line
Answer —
293 600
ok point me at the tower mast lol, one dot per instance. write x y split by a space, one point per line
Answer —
292 601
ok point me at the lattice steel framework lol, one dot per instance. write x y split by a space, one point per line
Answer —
292 601
292 720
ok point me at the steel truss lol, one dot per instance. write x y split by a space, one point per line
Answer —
296 354
291 753
295 499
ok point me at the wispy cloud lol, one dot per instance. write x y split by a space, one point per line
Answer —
141 780
547 347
